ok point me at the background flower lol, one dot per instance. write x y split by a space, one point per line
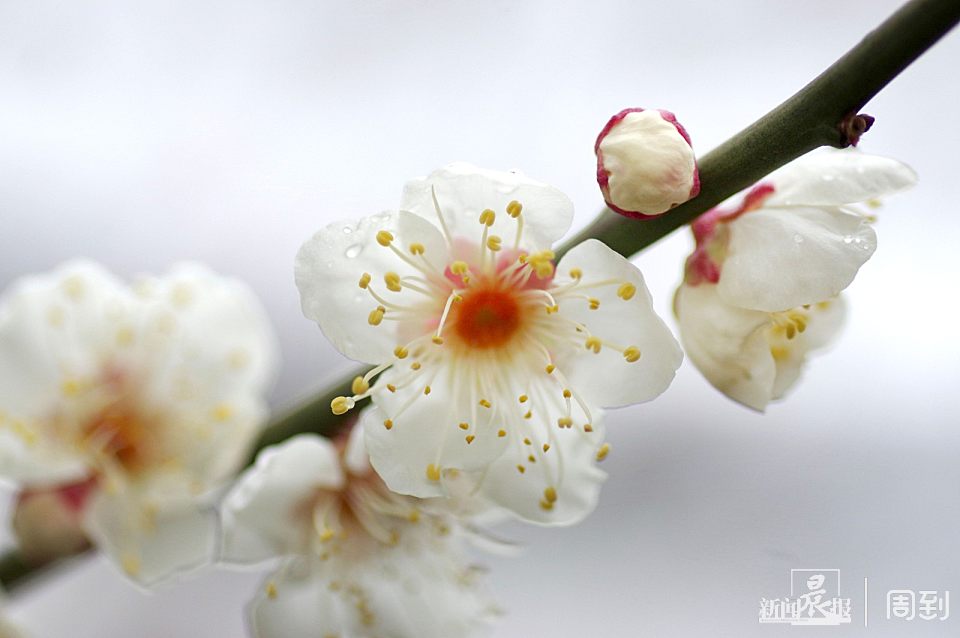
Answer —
131 404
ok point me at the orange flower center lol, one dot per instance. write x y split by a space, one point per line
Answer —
487 317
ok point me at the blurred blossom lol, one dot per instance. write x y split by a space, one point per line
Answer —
761 287
645 163
123 408
492 361
358 559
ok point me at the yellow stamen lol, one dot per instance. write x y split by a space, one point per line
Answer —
417 249
375 318
524 398
388 423
392 280
433 472
592 343
400 352
514 209
626 291
594 303
550 495
470 438
464 426
364 280
384 238
501 433
576 273
359 385
485 403
493 243
487 217
603 451
341 405
631 354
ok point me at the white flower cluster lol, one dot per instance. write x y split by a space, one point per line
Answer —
123 409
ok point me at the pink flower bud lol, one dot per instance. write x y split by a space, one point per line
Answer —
645 163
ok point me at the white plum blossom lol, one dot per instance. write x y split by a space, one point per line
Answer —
358 561
127 406
761 288
493 362
645 163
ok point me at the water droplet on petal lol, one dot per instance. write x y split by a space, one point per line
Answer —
353 251
347 230
847 239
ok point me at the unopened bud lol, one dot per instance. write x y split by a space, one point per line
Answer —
645 163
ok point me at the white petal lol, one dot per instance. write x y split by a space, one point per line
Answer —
329 267
569 467
464 191
783 258
606 378
151 542
355 457
300 604
727 344
835 177
427 433
258 513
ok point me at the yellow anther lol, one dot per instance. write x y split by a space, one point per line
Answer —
565 422
464 426
593 343
791 330
459 268
543 269
426 389
392 280
364 280
485 403
342 405
222 412
391 387
550 368
359 385
417 249
388 423
487 217
433 472
553 309
400 352
594 303
501 433
524 398
375 318
413 516
469 438
631 354
546 505
587 427
550 495
576 273
415 365
271 590
384 237
546 448
522 258
327 535
567 394
626 291
603 451
532 458
528 415
780 353
493 243
527 442
514 209
521 469
71 387
437 340
130 564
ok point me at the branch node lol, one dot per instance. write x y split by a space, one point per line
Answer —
853 126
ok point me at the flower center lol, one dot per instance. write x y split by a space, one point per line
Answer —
119 434
487 318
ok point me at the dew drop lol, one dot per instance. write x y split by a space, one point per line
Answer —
353 251
347 230
847 239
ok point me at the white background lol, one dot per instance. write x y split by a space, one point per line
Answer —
142 133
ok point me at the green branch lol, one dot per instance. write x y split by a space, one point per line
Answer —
820 114
815 116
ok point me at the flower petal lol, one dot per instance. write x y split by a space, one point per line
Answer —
727 344
825 322
297 602
835 178
329 266
464 191
151 542
568 468
258 513
428 434
779 259
606 378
